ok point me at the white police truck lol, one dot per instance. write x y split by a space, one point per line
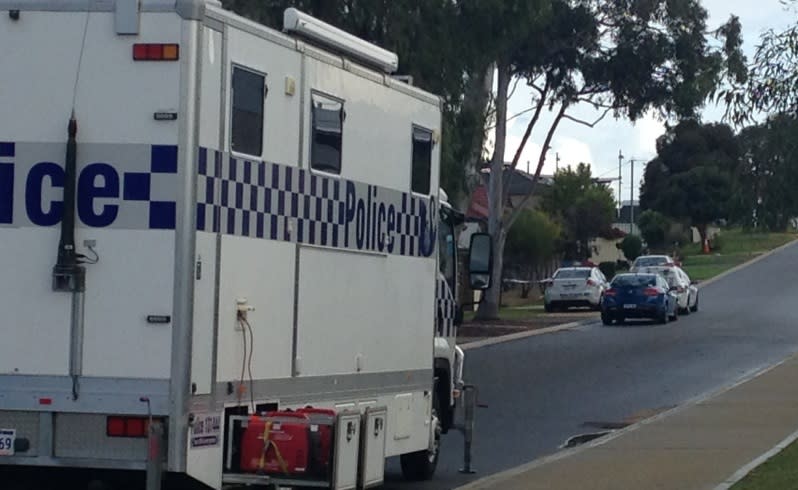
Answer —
203 220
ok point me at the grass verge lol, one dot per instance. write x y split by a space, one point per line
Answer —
737 247
778 473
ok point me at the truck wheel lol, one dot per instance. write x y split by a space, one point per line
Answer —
421 465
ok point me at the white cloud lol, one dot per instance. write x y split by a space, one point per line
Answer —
572 151
648 129
530 153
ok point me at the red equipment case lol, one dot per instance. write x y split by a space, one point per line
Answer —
321 436
278 443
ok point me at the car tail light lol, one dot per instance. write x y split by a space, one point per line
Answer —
591 282
610 292
651 292
156 52
126 427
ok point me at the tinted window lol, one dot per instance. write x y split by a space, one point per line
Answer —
328 122
572 274
247 123
635 280
650 261
422 160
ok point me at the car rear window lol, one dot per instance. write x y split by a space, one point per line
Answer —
635 281
649 261
572 274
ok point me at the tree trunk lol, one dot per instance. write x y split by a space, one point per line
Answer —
475 105
702 233
489 307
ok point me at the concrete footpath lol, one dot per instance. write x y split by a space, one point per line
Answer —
708 443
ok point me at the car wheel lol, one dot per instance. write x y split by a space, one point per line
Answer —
675 316
548 307
662 318
694 308
606 319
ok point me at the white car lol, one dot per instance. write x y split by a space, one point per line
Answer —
651 261
573 287
680 284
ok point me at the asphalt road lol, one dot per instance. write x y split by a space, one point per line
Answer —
544 389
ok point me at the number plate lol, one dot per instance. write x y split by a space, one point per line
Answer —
629 307
7 437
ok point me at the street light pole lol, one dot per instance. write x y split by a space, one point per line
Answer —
620 186
632 199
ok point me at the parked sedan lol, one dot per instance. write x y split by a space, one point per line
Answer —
680 285
575 286
651 261
638 295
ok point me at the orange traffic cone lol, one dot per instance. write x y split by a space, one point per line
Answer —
706 246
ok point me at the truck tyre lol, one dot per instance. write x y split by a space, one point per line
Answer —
421 465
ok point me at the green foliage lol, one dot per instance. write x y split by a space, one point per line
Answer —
584 208
608 269
632 247
531 241
691 179
772 76
654 227
765 197
717 242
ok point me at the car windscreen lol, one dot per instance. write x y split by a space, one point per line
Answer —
634 281
572 274
650 261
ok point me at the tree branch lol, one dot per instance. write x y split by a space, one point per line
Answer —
538 109
512 90
541 160
586 123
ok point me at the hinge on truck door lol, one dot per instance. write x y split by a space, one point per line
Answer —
198 268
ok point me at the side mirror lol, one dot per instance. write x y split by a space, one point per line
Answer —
480 261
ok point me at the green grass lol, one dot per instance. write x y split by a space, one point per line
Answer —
737 247
778 473
512 313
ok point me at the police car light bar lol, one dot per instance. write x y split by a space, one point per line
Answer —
334 38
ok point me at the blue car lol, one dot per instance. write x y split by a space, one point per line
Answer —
638 296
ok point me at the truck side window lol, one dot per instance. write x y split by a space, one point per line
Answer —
422 160
247 122
328 121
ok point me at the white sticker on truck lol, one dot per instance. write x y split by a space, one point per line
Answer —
7 437
206 430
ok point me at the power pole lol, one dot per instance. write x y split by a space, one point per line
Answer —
632 200
620 187
557 162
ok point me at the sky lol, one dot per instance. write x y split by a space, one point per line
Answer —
599 146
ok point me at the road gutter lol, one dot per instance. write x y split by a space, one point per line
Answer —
522 335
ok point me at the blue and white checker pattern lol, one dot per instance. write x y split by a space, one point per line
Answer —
445 308
278 202
119 186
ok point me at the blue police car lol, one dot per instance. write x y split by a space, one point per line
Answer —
638 296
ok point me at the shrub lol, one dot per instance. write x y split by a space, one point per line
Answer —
608 269
716 242
654 227
632 246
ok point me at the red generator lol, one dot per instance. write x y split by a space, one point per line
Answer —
322 421
278 443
